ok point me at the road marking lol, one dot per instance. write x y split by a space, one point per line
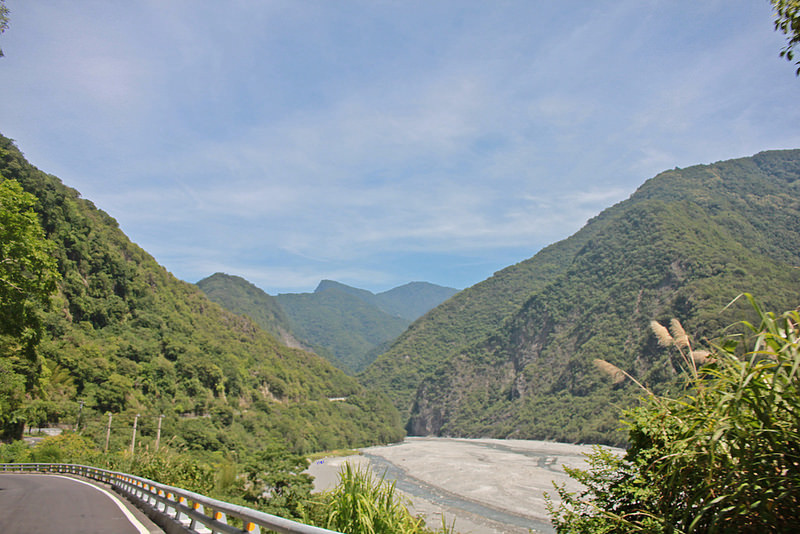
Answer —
135 522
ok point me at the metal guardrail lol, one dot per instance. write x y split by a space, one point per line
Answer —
176 509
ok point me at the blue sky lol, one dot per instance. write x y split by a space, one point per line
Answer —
381 142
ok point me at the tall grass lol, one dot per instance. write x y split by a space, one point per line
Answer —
723 457
363 503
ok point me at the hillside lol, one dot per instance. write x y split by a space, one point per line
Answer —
350 325
413 300
346 325
512 356
236 294
124 336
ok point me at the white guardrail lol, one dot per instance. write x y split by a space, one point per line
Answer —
177 510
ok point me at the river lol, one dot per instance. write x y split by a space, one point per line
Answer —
484 486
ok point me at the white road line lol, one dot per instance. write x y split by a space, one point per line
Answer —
135 522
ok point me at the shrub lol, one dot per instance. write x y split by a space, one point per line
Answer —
364 504
722 457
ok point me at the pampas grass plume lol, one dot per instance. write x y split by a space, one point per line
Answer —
616 374
664 339
701 357
678 334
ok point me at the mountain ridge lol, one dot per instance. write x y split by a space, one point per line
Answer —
344 324
684 245
124 336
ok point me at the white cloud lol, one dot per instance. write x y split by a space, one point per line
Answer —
261 136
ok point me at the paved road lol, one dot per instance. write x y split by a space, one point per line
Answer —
32 503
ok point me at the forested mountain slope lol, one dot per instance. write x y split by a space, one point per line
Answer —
513 355
341 322
236 294
125 336
351 326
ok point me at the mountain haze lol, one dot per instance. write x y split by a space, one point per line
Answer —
350 325
413 300
347 325
513 355
409 301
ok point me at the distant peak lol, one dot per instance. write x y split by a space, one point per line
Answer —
329 284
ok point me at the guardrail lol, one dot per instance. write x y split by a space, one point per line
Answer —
177 510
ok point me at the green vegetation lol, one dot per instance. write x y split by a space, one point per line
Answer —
27 279
340 324
466 318
365 504
240 296
124 336
721 456
787 21
346 325
513 356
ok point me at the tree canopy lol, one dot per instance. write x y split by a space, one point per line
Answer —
723 456
27 268
27 279
787 20
3 20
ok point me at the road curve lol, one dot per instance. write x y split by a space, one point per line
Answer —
53 503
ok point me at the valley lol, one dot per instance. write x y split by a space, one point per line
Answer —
478 249
258 382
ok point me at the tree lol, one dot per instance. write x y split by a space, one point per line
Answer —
28 277
722 457
788 22
3 20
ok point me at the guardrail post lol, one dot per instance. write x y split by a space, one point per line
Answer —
180 515
193 524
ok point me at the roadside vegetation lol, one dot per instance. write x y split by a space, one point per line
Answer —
271 480
721 456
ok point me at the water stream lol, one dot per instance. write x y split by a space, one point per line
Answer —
455 503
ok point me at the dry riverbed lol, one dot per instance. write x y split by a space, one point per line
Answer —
487 486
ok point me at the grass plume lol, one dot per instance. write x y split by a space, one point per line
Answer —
617 374
661 332
679 336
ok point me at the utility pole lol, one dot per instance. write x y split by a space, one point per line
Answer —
80 414
158 432
108 431
133 439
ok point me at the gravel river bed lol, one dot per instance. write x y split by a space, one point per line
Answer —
483 486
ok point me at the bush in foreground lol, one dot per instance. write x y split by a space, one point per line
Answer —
722 457
365 504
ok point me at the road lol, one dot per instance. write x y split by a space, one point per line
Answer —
54 503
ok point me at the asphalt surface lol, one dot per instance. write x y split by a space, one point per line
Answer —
33 503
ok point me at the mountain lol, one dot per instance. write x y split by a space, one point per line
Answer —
340 324
236 294
413 300
513 356
409 301
350 325
124 337
347 325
